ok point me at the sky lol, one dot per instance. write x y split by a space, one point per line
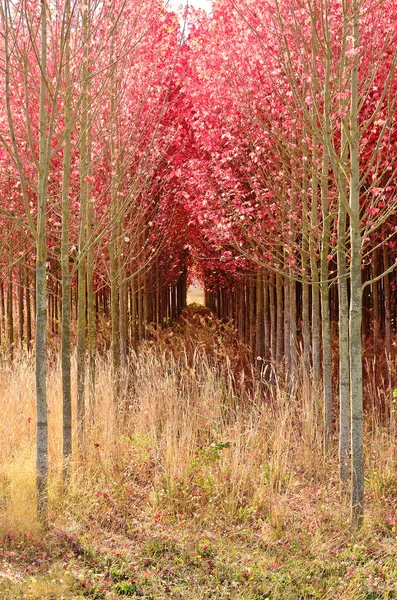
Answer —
206 4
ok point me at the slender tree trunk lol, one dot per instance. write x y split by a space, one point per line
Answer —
10 316
240 304
41 291
315 279
28 313
292 297
375 303
326 346
146 304
82 298
293 325
122 318
134 312
91 309
355 316
272 308
266 316
158 294
316 353
1 319
140 307
20 307
280 322
324 288
305 285
65 274
259 319
343 309
114 311
387 304
344 394
50 311
91 317
113 245
2 307
287 323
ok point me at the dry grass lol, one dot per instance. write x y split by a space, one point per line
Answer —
194 443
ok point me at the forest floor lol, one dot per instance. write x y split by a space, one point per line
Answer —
147 528
179 560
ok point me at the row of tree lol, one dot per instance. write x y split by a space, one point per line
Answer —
261 148
292 181
86 128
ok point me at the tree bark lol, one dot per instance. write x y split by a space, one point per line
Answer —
259 319
280 322
10 316
65 274
41 291
355 316
28 312
21 288
387 304
325 248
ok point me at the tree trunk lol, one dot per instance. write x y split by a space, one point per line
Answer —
266 316
20 307
28 313
343 308
41 291
305 285
2 307
272 309
287 321
344 399
280 322
122 318
65 274
387 302
325 248
82 302
375 303
355 316
259 319
10 316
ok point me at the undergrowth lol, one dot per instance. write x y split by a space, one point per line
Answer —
206 482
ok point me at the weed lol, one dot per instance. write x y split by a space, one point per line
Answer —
127 589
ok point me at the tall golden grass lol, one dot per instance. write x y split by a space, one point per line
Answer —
189 438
